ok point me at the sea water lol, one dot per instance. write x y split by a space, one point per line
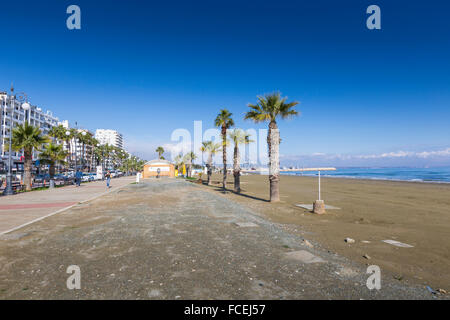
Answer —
438 174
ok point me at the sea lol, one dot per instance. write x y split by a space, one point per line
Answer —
437 175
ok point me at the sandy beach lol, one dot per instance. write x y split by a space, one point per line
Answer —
370 211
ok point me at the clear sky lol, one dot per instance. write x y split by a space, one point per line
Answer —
146 68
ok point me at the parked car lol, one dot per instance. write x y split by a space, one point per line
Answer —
70 174
61 177
40 178
93 176
87 177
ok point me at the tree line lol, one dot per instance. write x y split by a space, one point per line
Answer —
269 108
27 138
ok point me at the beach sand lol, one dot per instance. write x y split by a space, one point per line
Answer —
414 213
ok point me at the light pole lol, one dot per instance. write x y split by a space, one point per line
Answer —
26 107
83 160
103 170
68 142
113 160
75 147
22 97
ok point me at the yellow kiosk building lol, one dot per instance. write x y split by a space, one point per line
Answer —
166 169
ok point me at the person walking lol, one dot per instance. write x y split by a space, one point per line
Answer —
78 176
108 179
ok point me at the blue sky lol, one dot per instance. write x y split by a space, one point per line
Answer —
146 68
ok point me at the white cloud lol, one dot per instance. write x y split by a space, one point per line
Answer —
397 158
403 154
441 153
175 149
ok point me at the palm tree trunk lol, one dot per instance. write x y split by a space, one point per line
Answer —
69 156
91 159
82 160
51 172
209 169
236 170
273 140
27 169
224 155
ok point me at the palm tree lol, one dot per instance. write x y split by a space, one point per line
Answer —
224 121
108 154
73 134
179 161
212 148
238 137
203 150
92 146
269 108
58 133
140 165
27 137
53 154
84 137
121 156
189 158
160 151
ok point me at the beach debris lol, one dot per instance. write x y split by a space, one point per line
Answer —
245 224
349 240
307 243
153 293
431 290
304 256
366 256
398 244
398 277
365 241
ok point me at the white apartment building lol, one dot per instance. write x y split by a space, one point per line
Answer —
77 151
35 116
108 136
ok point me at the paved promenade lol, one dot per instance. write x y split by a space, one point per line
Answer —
23 208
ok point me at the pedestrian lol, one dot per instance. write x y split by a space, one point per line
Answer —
78 176
108 178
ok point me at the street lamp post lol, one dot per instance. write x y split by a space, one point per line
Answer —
22 97
103 173
68 141
76 147
26 107
83 160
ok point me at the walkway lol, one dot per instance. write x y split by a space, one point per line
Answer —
23 208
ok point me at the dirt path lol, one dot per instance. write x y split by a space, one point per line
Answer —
171 239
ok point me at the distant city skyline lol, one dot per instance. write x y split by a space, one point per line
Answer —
367 97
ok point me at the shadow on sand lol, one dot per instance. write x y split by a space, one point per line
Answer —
216 185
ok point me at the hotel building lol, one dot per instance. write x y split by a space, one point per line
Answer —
45 120
111 137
